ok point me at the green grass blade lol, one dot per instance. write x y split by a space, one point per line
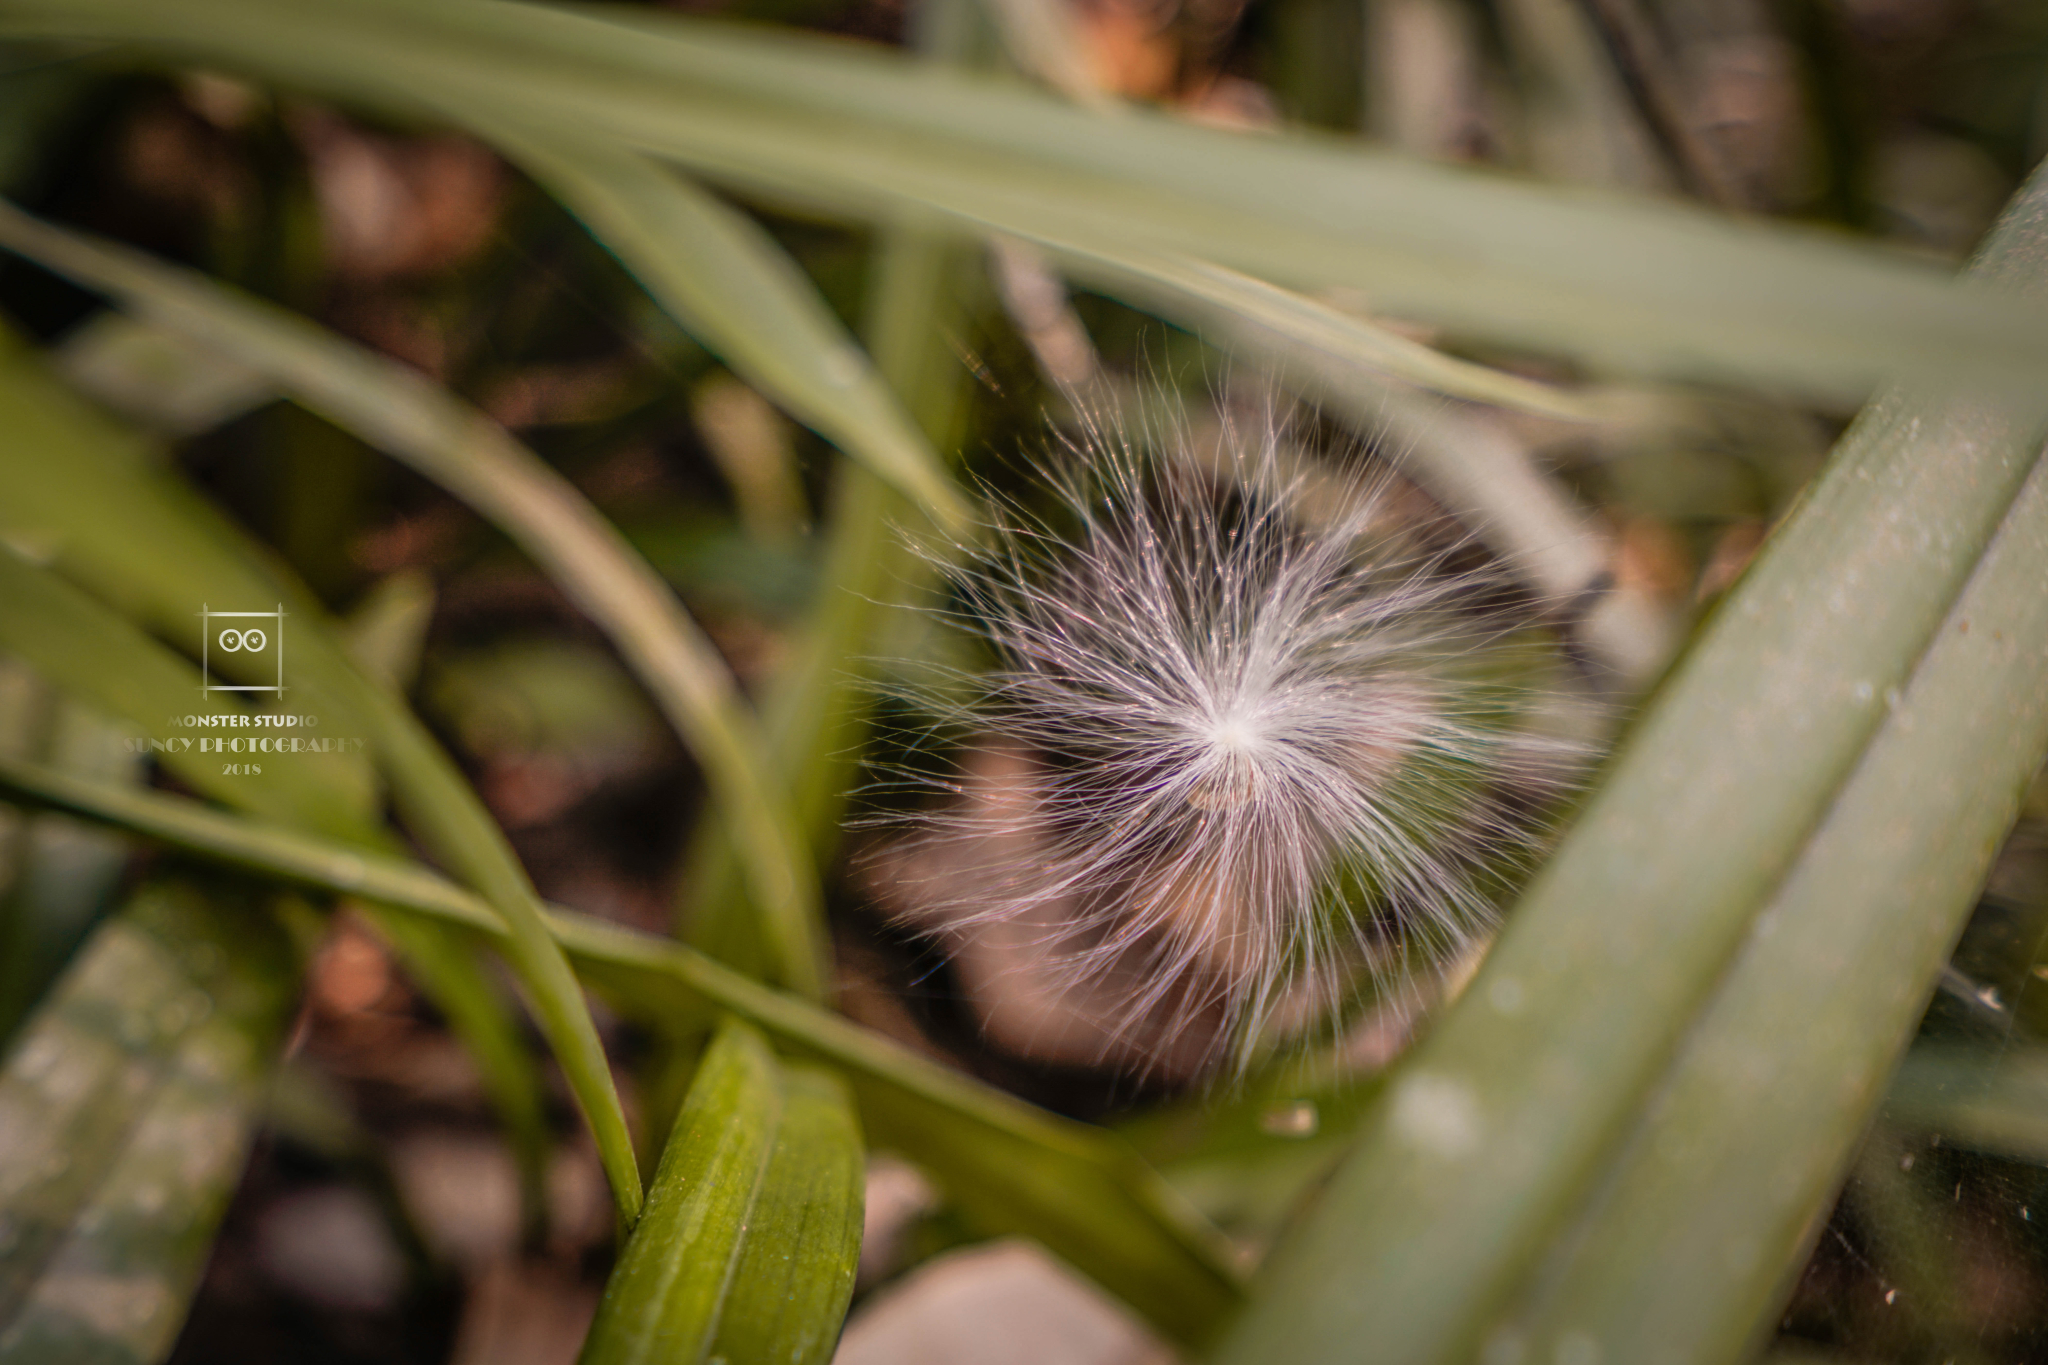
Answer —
1646 285
384 636
118 521
145 541
449 821
1082 1192
795 1274
1978 1100
275 851
58 879
386 631
817 706
128 1104
1725 1184
396 409
734 289
89 652
816 710
1244 312
730 286
1496 1127
664 1300
1275 325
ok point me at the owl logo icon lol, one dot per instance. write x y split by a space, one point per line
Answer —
242 651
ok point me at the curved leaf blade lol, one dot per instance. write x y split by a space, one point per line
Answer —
795 1274
1497 1126
1283 323
129 1103
1725 1184
1994 1103
56 880
664 1300
816 708
458 447
729 285
1644 285
1081 1191
143 540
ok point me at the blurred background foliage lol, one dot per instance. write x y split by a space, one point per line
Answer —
1622 400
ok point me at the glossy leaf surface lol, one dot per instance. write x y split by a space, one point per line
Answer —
127 1103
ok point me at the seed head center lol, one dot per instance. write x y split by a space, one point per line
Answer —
1230 776
1234 735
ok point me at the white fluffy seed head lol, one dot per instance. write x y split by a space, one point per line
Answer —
1258 736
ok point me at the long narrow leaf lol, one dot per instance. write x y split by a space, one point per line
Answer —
1645 284
128 1104
473 457
92 654
1236 305
1977 1099
1497 1125
1081 1192
817 705
1723 1187
145 541
663 1302
734 289
1275 323
795 1276
748 1248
